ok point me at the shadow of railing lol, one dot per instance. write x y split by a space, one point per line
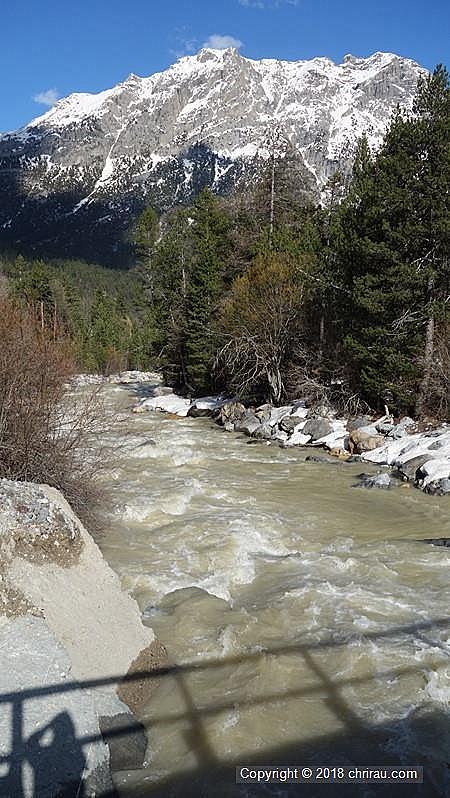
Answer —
358 741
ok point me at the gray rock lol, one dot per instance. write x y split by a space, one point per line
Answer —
437 541
230 414
263 412
278 413
126 739
440 487
199 412
248 424
385 427
54 722
288 423
358 422
404 427
298 403
409 469
263 432
317 428
382 481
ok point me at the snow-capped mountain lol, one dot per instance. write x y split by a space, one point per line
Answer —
71 180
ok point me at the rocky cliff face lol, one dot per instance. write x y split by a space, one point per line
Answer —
71 180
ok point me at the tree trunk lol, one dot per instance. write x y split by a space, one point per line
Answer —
275 384
321 335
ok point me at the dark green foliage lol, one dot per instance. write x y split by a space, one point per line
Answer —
144 235
210 245
394 251
184 283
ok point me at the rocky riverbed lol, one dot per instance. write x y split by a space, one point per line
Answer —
421 457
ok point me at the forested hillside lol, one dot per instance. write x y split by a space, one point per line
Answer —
268 296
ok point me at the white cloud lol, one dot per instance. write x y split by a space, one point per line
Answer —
218 42
48 97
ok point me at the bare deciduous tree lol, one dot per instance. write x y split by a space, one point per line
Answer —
259 319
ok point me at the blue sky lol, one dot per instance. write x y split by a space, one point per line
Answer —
51 48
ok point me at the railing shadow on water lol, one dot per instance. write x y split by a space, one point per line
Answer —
357 742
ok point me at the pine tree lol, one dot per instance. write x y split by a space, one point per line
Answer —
210 247
393 251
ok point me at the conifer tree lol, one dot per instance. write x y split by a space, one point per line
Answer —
394 248
210 246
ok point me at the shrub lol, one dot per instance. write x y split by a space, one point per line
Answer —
43 437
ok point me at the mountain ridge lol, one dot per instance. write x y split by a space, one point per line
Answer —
203 121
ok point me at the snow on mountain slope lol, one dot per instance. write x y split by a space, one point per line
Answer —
202 121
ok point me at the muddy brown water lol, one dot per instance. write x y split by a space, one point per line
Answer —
307 622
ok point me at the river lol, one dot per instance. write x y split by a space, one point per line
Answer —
306 620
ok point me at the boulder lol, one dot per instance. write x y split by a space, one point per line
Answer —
296 420
404 427
322 410
364 440
64 616
382 481
206 406
358 422
409 468
288 423
277 414
385 427
248 424
439 487
434 474
263 412
317 427
56 728
263 432
230 413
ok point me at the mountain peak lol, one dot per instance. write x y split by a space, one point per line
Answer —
203 121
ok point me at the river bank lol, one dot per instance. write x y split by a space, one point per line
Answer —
411 453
